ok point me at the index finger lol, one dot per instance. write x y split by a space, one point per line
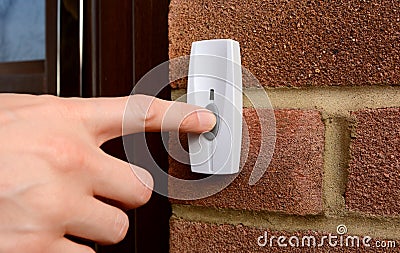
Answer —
108 118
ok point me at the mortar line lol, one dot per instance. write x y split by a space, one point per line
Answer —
376 227
336 158
330 100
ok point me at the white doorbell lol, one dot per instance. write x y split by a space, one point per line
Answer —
215 82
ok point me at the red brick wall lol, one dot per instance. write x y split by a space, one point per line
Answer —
298 43
332 72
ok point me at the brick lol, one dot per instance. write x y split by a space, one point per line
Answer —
298 43
374 171
189 236
293 181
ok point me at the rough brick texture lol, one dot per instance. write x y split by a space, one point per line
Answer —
293 181
374 172
298 43
189 236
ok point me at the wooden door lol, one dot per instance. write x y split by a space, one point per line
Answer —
132 38
102 48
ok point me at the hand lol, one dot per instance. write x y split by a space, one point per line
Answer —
53 175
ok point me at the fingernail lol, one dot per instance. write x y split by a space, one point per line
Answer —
206 119
145 177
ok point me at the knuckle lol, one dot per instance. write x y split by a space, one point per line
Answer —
190 120
147 109
186 123
76 109
50 104
148 112
65 153
49 98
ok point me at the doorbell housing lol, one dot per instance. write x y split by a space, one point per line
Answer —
215 83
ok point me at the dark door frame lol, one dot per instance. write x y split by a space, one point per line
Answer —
122 43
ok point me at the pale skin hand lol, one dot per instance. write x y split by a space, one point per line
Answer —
53 173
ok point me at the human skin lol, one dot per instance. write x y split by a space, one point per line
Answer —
56 181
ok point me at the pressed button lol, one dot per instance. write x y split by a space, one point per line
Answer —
213 133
